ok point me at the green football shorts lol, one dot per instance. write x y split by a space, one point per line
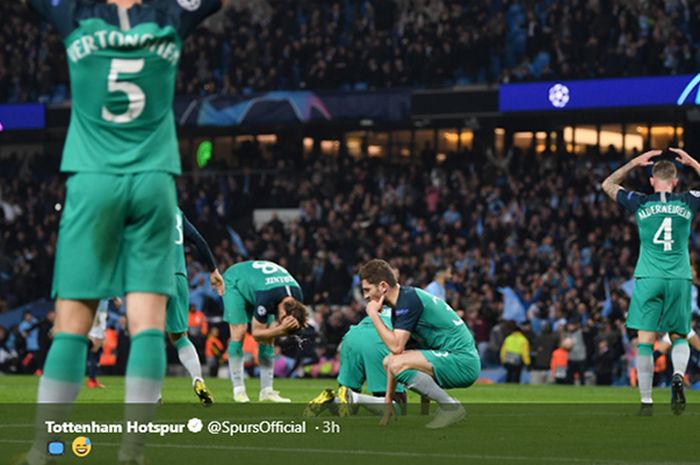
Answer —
237 311
661 305
116 236
362 355
177 312
453 369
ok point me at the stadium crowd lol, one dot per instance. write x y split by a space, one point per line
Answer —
525 244
371 44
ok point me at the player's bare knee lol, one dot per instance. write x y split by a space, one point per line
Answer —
386 362
237 332
396 366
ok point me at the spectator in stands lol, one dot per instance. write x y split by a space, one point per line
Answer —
266 45
29 329
604 361
544 346
197 328
9 359
213 351
45 338
515 354
576 360
437 285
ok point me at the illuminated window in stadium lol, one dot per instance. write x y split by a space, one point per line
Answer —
377 143
540 141
500 140
663 136
424 136
583 139
401 144
522 141
612 140
355 142
635 137
455 140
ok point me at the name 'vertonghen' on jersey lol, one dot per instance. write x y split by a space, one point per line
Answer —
663 221
123 65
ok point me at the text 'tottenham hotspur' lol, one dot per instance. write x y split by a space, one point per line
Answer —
100 40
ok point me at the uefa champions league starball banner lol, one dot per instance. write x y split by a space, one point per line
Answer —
294 107
600 94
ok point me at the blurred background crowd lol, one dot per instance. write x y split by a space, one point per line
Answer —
523 244
372 44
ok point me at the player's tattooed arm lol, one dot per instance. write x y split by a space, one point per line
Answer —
686 160
613 183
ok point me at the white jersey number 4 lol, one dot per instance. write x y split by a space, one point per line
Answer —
664 235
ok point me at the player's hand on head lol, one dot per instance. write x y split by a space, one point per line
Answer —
682 156
289 324
645 158
217 282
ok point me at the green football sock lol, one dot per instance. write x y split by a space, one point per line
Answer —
645 371
235 364
266 359
145 368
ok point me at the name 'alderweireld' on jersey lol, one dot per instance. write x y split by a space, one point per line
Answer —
86 45
647 212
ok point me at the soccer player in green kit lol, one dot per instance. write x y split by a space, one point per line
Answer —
116 230
362 354
661 301
176 315
267 294
447 357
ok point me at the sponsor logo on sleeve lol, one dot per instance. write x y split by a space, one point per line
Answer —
262 311
695 193
401 311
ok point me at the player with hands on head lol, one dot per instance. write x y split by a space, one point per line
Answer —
661 300
268 297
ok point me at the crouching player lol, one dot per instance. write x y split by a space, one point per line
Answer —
448 357
267 291
362 353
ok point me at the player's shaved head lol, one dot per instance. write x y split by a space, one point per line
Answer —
664 171
375 271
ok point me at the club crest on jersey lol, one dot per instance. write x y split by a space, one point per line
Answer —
190 5
262 311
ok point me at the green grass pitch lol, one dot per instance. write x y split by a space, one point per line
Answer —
505 424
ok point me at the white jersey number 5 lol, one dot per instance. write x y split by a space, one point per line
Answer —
137 99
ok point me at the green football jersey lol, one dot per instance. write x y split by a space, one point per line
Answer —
663 221
431 322
123 65
263 285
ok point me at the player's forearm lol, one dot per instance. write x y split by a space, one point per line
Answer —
390 387
262 334
612 183
390 339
